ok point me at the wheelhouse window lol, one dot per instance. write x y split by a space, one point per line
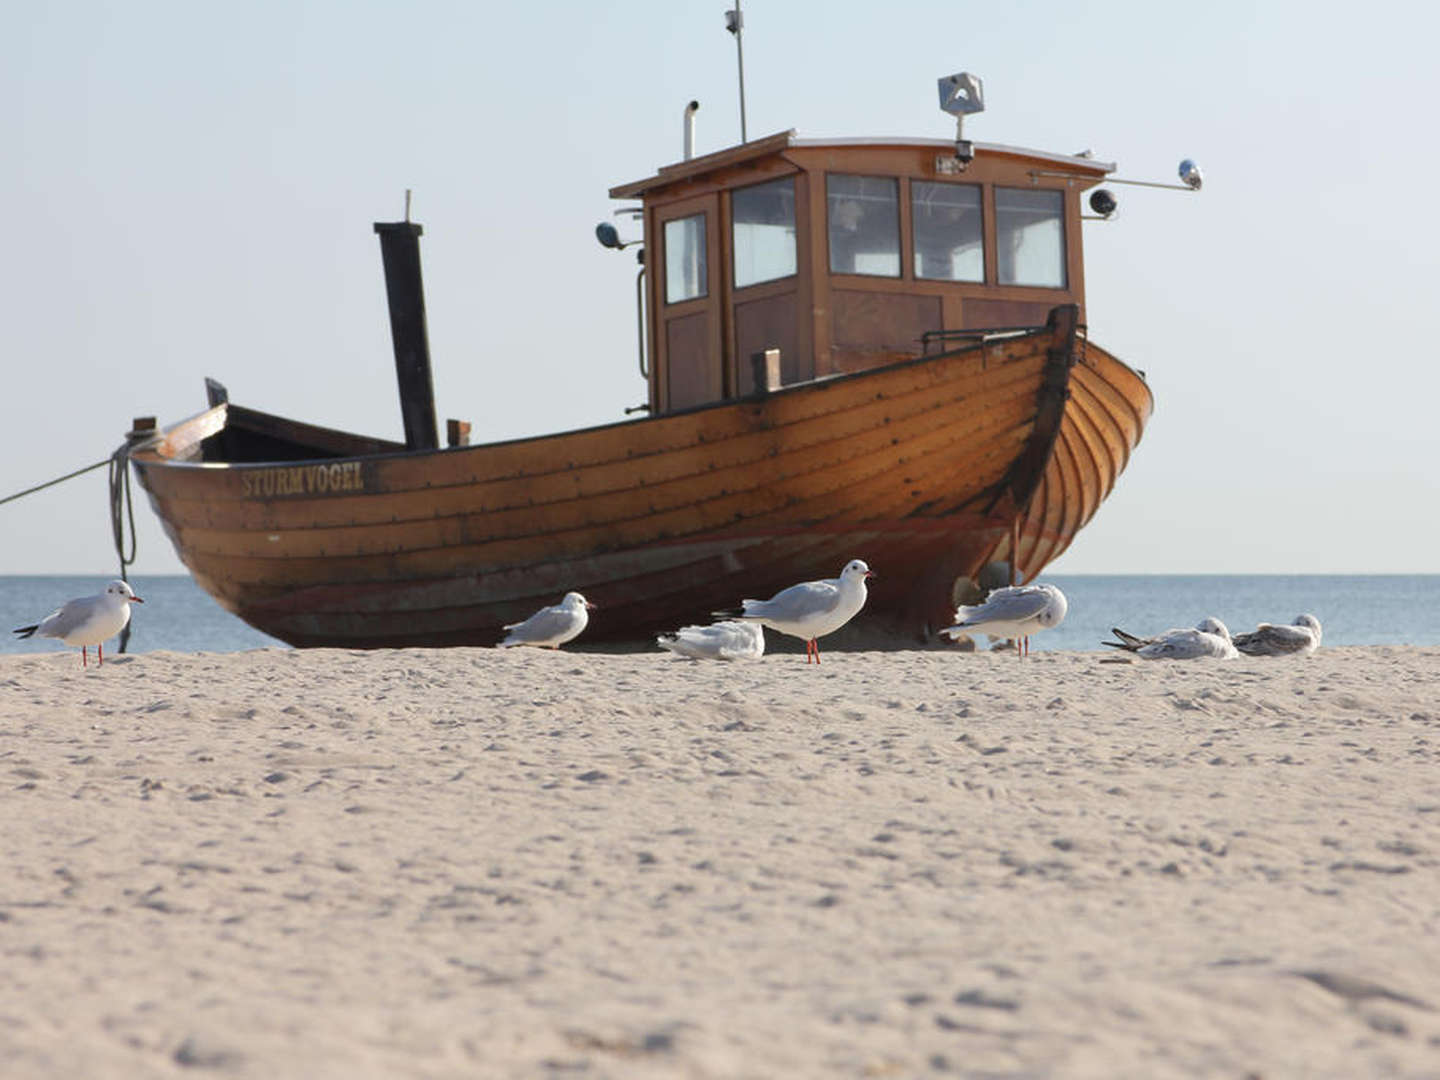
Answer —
685 259
949 236
864 222
1030 237
763 231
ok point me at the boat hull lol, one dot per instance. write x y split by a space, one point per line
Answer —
923 468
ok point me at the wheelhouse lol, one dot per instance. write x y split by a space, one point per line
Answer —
847 255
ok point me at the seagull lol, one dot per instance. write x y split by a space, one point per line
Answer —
729 640
1016 611
553 626
811 609
1210 637
88 620
1300 638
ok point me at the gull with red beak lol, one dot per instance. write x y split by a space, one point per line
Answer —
553 626
811 609
88 620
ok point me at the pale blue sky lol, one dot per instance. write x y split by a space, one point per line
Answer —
190 191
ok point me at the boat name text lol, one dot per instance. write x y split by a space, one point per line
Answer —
303 480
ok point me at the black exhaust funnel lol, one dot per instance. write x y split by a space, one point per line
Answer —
400 252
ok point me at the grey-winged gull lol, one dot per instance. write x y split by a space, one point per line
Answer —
1210 637
1300 638
1016 611
811 609
553 626
88 620
728 640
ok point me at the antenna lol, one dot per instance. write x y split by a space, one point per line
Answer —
735 22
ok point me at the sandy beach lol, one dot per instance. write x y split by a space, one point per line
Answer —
486 863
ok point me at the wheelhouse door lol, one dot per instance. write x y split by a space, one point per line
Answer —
689 351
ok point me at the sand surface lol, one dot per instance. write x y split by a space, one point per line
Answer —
477 863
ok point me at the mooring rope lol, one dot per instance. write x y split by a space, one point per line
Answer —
57 480
122 506
122 509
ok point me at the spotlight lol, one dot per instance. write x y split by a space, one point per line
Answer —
1102 202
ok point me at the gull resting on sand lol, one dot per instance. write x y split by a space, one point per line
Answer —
88 620
811 609
728 640
553 626
1210 637
1300 638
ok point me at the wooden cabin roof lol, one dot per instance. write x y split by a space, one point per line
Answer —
1082 167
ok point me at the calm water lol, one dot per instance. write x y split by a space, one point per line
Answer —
1354 610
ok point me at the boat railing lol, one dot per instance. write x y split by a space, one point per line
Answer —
993 333
989 333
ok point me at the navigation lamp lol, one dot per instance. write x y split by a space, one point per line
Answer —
1190 174
1102 202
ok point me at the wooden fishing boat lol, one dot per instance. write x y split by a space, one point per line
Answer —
869 349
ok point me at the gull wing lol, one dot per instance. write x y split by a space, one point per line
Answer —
1268 639
798 602
66 620
1013 604
544 625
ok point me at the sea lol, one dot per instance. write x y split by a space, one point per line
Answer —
1358 609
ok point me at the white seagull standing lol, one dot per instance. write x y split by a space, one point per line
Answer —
553 626
88 620
1016 611
728 640
1300 638
1210 637
811 609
